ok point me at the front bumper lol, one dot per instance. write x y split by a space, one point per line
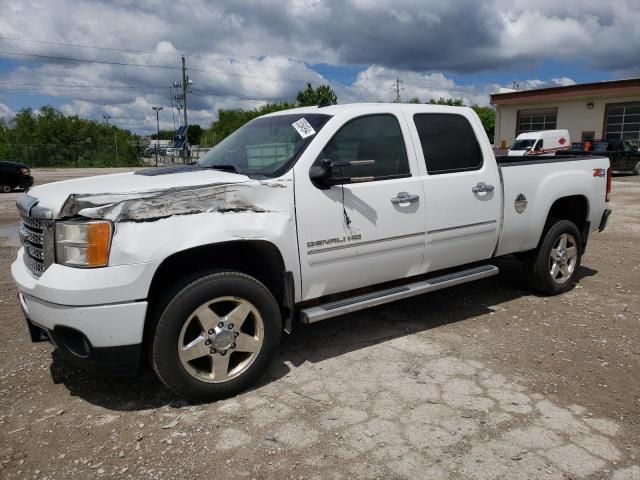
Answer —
96 338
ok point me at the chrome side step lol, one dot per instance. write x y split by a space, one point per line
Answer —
360 302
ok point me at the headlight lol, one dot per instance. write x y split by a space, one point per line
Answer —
83 244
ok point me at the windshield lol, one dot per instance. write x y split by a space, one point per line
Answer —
523 144
266 146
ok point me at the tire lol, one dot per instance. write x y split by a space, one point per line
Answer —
636 170
552 268
198 351
5 188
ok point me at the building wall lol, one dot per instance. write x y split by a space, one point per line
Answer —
572 115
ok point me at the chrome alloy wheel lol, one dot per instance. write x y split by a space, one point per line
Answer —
221 339
563 258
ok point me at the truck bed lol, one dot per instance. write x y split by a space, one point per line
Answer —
506 161
537 183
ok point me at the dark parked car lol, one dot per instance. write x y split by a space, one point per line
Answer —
14 175
624 156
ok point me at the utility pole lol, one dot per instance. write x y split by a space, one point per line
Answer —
115 140
157 109
185 85
398 88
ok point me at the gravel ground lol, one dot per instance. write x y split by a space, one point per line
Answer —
480 381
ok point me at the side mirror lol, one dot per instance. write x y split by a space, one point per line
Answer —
320 173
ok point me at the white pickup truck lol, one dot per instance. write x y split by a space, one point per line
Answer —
299 216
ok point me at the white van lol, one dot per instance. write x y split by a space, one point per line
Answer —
544 143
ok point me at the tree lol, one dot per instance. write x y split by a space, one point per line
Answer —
488 118
50 139
194 132
458 102
414 100
229 120
309 97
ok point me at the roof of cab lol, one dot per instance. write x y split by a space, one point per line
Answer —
336 109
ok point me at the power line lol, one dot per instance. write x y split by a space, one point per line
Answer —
47 85
146 65
228 60
86 60
240 96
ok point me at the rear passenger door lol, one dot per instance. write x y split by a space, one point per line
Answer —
462 188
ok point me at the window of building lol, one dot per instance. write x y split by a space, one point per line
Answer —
373 137
622 122
448 142
536 120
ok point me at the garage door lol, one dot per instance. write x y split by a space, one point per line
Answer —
622 122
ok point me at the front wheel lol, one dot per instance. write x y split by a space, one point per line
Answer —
5 188
216 336
552 268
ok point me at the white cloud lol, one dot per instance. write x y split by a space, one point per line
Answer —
5 111
563 81
420 41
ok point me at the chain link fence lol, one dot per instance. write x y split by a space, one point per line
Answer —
38 155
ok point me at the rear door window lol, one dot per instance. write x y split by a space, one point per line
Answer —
448 142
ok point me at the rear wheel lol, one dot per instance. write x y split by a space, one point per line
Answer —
552 268
216 336
5 188
636 170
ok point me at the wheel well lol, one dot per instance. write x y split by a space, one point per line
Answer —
574 208
257 258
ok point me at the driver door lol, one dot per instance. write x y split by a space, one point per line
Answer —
371 229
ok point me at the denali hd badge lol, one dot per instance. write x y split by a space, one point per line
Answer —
334 241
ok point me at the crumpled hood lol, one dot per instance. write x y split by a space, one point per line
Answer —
112 196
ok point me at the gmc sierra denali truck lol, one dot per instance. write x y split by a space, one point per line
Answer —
298 216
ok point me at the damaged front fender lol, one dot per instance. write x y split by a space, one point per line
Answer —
157 205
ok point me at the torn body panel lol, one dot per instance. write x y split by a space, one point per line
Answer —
152 226
156 205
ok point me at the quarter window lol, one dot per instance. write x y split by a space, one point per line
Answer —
373 137
448 142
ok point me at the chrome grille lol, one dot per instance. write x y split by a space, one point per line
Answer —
32 236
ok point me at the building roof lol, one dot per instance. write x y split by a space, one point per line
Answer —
629 86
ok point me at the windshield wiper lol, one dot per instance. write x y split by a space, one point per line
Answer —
226 168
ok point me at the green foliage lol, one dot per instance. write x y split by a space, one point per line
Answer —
232 119
488 118
414 100
51 139
457 102
310 97
194 132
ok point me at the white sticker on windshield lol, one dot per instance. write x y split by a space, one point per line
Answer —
304 128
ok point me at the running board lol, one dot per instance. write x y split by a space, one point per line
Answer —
360 302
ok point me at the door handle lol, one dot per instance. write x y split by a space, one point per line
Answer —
482 187
404 197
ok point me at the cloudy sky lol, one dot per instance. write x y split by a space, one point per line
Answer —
119 57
